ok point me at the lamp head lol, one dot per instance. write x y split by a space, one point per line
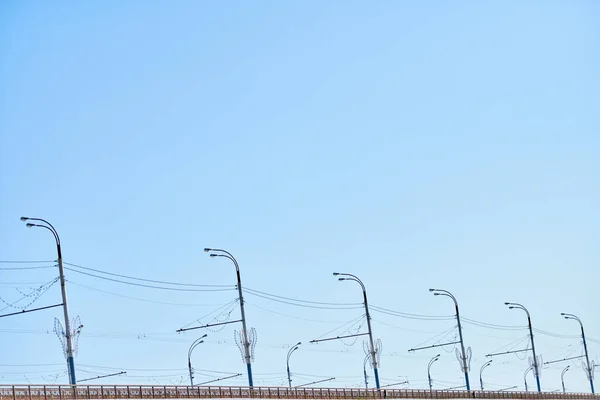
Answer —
212 255
510 308
206 249
203 336
29 225
506 303
24 218
341 279
438 355
298 344
431 290
436 294
562 313
336 273
202 341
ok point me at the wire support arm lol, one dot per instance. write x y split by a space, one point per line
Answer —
337 337
207 326
434 345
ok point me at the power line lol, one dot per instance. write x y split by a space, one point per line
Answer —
149 286
292 316
492 326
412 316
25 262
304 305
140 299
26 268
302 301
143 279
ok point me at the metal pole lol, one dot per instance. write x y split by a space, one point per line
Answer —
365 370
434 359
63 290
562 377
536 371
481 372
525 378
535 361
440 292
288 362
192 347
587 357
246 344
373 353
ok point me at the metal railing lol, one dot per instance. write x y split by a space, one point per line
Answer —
67 392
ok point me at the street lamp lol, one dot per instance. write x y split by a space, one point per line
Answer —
365 370
441 292
247 356
350 277
562 377
288 362
525 377
536 370
434 359
590 369
47 225
481 372
192 347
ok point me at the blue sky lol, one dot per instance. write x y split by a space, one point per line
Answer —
447 144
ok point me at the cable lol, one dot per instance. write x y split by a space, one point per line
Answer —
439 336
39 291
304 305
140 299
291 316
154 370
144 280
222 308
303 301
25 262
412 316
556 335
149 286
25 268
492 326
350 324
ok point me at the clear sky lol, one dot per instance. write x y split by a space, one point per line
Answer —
414 144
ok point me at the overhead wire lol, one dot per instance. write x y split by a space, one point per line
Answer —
25 261
139 299
151 286
146 280
304 305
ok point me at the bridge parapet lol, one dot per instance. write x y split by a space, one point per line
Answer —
118 392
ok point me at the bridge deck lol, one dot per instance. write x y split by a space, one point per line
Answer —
57 392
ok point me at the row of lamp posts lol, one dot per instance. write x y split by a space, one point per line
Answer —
41 223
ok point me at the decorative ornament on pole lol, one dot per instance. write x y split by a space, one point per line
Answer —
59 330
239 341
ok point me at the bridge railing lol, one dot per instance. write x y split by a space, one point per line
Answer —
118 392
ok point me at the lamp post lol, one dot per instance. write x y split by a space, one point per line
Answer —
365 370
484 366
562 377
525 377
246 344
434 359
288 362
350 277
440 292
192 347
536 368
41 223
590 370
